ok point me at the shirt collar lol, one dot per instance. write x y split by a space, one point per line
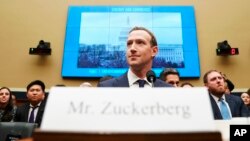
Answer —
36 105
217 98
132 78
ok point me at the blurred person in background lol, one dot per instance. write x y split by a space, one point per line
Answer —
187 85
7 110
86 84
246 98
170 76
229 85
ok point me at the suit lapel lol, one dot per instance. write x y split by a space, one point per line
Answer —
230 103
216 110
26 112
122 81
158 83
40 112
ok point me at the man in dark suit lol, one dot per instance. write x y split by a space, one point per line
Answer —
33 110
220 101
141 50
170 76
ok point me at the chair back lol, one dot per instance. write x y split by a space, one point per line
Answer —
16 130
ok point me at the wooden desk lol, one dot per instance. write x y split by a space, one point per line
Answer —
26 139
65 136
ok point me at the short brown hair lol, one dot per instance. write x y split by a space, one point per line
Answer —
207 73
168 71
153 41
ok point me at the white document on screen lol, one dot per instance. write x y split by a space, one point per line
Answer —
127 110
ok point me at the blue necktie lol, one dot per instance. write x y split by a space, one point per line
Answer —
32 115
141 83
224 110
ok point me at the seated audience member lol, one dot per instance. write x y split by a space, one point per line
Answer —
140 52
228 84
33 110
224 106
246 99
86 84
171 76
7 110
187 85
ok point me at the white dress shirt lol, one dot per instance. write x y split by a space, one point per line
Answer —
132 80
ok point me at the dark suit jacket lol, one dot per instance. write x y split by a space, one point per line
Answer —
236 105
22 113
122 81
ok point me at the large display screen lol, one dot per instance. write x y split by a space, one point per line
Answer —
95 41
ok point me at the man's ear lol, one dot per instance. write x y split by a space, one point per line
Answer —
154 51
206 85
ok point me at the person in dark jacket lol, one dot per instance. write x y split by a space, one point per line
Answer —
33 110
7 110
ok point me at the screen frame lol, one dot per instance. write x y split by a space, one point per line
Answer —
190 43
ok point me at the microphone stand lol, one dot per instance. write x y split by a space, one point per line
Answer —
152 81
151 77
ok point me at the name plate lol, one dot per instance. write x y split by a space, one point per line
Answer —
127 110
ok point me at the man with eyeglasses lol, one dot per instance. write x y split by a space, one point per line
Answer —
170 76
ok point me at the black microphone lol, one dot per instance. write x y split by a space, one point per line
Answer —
151 77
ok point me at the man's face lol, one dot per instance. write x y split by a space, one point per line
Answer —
215 83
4 96
173 79
139 50
35 94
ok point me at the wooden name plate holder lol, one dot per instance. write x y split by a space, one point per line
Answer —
66 136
